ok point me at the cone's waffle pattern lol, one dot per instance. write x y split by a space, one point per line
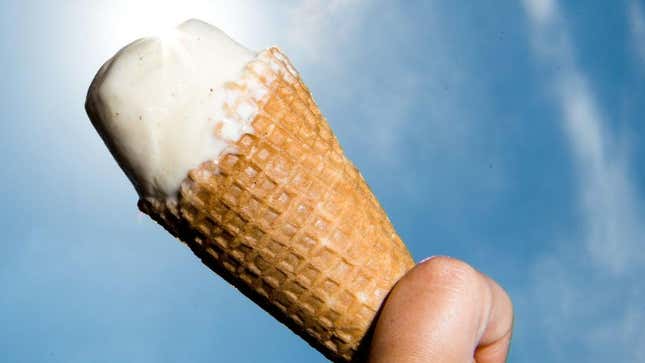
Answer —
288 219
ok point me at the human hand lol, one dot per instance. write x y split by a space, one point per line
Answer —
444 311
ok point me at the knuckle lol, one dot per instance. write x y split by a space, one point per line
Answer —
449 271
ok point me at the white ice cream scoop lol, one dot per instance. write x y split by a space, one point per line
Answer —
157 102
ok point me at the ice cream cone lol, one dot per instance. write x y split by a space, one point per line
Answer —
285 217
288 220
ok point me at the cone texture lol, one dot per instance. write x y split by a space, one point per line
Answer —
288 220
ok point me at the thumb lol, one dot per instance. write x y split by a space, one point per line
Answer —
445 311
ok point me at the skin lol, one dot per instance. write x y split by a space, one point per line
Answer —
443 310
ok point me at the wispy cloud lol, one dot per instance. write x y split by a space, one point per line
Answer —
583 315
610 253
636 17
541 11
318 25
626 329
609 202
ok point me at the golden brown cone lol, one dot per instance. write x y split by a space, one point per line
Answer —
288 220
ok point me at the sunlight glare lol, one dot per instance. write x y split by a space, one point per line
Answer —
129 20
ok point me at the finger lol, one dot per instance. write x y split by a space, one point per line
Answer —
495 341
433 314
436 313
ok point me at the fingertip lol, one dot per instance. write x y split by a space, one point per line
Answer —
434 312
444 271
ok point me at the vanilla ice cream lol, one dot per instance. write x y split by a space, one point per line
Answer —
160 104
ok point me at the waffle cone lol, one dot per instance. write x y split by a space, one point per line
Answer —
287 219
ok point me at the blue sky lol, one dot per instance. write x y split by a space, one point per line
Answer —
509 135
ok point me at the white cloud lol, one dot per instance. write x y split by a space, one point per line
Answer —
608 199
600 316
636 17
589 285
626 328
541 11
317 26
